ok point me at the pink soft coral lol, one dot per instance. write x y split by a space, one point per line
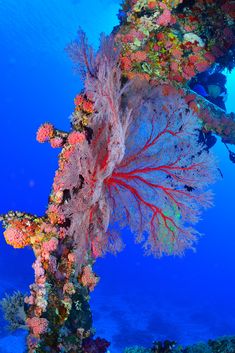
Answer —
37 325
45 132
56 142
76 137
165 18
16 237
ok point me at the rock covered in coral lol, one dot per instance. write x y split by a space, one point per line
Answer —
220 345
173 40
97 345
223 345
163 347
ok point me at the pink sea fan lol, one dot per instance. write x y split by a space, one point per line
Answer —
143 168
158 189
82 54
83 176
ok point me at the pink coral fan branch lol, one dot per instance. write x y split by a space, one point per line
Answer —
82 54
162 162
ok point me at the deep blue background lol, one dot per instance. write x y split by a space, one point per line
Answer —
138 298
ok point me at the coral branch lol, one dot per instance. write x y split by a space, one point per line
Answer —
213 118
162 160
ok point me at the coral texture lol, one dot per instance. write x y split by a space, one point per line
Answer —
177 38
159 187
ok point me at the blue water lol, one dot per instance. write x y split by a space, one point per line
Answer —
139 298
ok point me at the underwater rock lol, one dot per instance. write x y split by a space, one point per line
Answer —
221 345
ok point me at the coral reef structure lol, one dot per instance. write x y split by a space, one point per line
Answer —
220 345
132 158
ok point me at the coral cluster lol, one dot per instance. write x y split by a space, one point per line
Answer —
83 110
221 345
174 40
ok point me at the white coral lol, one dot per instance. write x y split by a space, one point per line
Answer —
192 38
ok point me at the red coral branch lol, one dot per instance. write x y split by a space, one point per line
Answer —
152 179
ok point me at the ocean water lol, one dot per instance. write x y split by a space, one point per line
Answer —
138 299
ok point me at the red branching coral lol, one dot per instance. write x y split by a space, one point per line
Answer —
154 171
159 186
86 166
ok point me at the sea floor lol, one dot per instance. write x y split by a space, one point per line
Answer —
128 319
138 319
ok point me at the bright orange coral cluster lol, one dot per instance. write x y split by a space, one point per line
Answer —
19 233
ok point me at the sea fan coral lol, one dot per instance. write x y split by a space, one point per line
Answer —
154 171
82 54
159 186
